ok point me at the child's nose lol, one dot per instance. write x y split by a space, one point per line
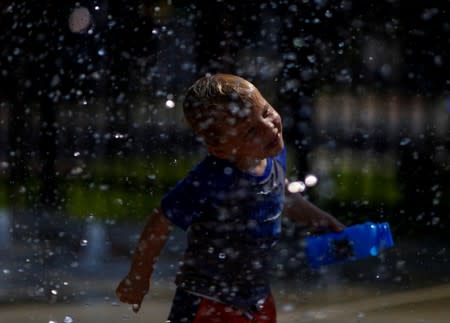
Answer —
271 123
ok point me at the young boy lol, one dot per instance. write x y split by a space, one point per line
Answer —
230 204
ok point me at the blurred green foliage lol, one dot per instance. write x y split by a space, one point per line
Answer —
3 193
124 188
129 188
371 184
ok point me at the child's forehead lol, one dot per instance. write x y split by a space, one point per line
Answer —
240 111
227 120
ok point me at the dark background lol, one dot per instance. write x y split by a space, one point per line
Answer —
64 92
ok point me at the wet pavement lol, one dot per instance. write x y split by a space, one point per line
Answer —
427 305
44 281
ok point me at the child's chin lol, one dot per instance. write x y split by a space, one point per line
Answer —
275 151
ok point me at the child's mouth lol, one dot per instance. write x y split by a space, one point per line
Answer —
274 143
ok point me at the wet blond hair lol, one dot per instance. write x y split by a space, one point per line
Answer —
209 96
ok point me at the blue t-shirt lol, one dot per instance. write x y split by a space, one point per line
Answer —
233 220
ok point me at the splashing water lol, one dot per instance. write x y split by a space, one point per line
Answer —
310 180
295 187
405 141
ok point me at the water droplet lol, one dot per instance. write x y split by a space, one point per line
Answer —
297 42
76 171
435 220
79 20
228 171
103 187
400 264
310 180
83 243
222 255
54 292
170 104
405 141
311 58
287 308
296 187
101 52
55 80
68 319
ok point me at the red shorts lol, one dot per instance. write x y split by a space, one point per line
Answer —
191 308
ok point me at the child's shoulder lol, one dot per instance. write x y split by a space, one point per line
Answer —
281 158
211 172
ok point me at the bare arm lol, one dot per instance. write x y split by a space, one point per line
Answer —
135 285
297 208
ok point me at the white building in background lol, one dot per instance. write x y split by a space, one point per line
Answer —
395 116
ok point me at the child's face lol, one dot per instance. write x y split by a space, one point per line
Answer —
250 132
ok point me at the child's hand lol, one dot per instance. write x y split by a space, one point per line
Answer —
132 289
325 222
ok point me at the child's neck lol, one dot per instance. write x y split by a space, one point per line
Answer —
253 166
